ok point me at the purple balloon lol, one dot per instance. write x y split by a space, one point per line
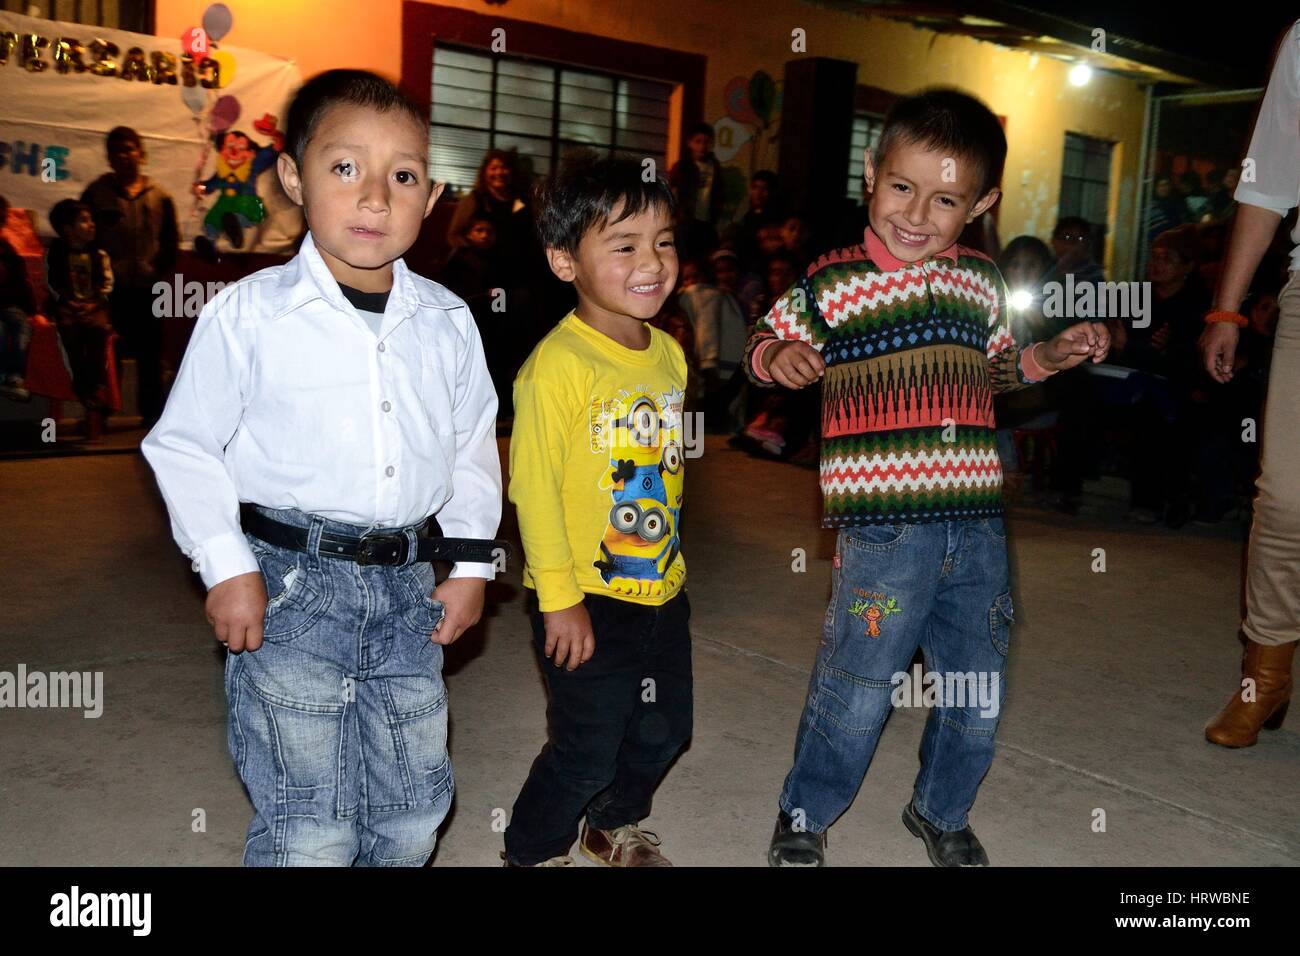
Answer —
217 20
224 113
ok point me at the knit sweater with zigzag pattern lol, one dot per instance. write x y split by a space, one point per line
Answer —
914 352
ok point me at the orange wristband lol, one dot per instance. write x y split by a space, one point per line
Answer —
1236 318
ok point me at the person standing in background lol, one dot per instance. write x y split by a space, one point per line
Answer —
135 223
697 186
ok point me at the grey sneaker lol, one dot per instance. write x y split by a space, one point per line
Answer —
553 861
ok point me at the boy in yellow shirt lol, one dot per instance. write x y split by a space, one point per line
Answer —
596 476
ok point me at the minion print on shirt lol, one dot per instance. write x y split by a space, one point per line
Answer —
641 431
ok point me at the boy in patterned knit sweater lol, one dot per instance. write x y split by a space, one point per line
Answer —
910 334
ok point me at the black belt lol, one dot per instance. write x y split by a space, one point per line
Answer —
377 547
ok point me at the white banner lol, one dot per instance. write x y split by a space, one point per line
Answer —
63 86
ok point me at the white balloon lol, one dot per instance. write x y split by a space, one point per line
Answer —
728 137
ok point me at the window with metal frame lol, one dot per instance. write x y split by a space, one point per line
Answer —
1085 182
540 109
866 134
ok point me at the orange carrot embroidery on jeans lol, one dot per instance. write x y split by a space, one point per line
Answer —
873 612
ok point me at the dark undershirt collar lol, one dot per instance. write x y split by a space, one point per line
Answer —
365 301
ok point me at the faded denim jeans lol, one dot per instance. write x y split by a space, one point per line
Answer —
338 723
943 587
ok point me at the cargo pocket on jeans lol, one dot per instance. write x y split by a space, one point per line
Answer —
419 723
1001 618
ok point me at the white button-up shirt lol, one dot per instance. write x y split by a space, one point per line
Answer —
1274 154
286 398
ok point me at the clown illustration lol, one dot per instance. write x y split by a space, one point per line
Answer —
240 161
638 554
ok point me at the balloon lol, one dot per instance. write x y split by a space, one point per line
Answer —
762 95
729 135
227 61
736 96
224 113
194 41
217 20
195 97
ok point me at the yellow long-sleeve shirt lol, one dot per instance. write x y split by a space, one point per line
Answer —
596 467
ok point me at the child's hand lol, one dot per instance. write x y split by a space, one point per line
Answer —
794 364
462 606
1074 345
199 189
569 636
236 608
1118 334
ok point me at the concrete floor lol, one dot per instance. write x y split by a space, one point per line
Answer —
1111 679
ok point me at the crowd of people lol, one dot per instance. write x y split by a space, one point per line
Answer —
110 246
1186 449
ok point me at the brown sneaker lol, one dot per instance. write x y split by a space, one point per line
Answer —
625 846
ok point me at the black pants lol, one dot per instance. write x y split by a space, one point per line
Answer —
87 346
616 723
140 337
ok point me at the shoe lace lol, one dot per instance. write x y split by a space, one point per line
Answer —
630 837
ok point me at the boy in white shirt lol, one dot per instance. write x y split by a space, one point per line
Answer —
344 400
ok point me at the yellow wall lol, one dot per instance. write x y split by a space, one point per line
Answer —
1031 91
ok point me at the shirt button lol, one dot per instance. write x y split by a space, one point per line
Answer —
382 347
387 406
194 565
390 471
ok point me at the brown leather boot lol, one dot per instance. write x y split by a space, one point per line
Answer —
1238 724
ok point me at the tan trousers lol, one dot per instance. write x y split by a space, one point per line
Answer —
1273 558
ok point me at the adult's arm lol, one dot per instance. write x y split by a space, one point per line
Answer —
1269 188
1252 234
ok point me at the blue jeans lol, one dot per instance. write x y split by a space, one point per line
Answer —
940 586
338 723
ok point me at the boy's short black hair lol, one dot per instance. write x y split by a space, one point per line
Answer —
122 135
65 213
1069 224
1184 241
341 87
952 122
764 176
695 129
587 190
